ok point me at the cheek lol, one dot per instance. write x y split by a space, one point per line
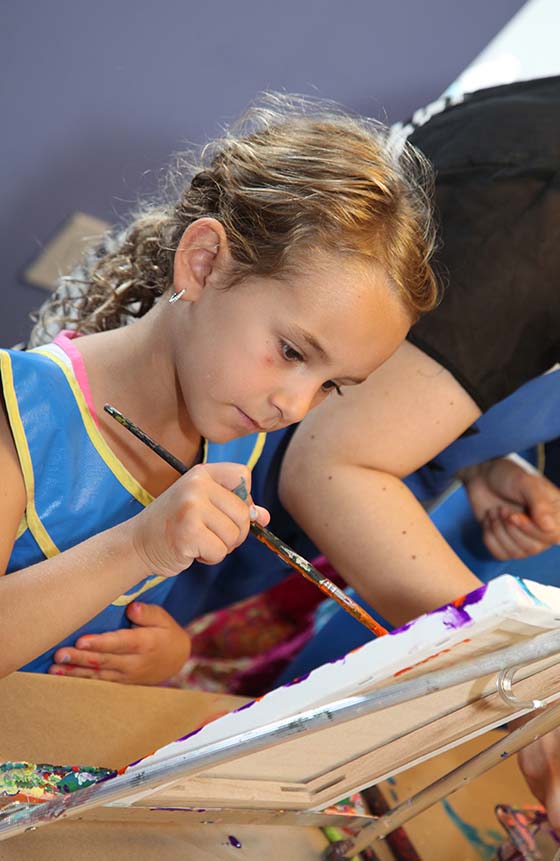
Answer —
320 396
266 356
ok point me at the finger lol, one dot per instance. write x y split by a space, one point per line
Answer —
546 515
234 508
497 539
125 641
233 476
543 502
230 528
259 515
71 657
524 522
215 535
532 529
93 661
211 550
149 615
220 503
84 673
528 545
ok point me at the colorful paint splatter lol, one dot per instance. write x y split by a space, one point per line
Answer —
33 783
529 832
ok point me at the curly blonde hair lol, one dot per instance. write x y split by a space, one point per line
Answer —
292 175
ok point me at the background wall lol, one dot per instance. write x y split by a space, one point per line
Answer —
97 95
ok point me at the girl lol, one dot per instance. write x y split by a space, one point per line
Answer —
291 265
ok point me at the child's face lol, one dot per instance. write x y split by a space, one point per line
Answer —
260 355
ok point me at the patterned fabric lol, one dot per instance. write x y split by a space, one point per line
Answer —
241 649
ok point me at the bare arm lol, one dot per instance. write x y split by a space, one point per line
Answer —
341 480
42 603
197 517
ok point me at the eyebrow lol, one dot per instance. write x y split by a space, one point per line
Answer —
312 341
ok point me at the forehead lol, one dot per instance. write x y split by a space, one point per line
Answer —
348 307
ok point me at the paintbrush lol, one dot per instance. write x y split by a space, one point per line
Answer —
276 545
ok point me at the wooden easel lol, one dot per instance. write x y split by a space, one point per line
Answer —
244 769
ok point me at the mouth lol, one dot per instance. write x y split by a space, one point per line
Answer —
249 422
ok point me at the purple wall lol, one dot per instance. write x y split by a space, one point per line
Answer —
98 94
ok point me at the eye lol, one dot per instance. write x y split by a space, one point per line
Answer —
290 353
330 385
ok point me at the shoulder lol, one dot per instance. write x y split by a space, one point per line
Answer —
504 124
497 162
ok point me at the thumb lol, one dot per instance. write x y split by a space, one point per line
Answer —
543 517
259 515
148 615
539 499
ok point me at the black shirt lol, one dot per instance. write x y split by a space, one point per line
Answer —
497 161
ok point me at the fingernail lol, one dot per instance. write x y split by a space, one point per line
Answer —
136 608
253 513
65 659
82 644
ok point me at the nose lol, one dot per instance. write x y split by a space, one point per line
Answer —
294 403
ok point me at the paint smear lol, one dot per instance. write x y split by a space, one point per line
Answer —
471 597
393 791
234 841
485 850
455 617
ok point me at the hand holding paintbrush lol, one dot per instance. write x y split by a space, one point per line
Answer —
261 534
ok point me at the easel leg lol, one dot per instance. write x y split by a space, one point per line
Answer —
519 738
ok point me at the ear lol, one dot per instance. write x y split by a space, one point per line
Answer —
202 253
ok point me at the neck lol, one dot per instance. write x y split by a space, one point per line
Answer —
132 368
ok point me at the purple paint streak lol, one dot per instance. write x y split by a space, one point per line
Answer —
474 597
234 841
454 617
246 706
402 628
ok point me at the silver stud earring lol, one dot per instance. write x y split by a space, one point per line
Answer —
175 296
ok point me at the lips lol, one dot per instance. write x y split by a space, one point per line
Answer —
253 425
247 421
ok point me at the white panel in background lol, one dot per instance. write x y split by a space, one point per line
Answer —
527 47
63 252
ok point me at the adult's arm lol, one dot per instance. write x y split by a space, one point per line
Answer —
341 480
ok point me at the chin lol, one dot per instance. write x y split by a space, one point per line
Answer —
221 435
